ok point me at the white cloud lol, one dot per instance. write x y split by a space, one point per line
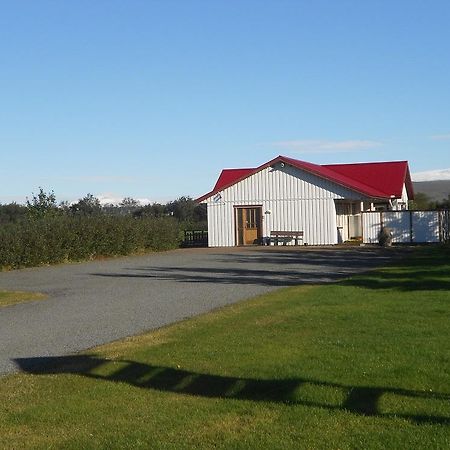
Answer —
324 146
144 201
430 175
109 198
440 137
12 199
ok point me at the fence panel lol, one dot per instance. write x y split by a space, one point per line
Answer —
407 226
196 238
425 226
399 224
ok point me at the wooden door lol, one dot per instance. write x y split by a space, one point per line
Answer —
248 225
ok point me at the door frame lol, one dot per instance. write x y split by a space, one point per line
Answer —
259 223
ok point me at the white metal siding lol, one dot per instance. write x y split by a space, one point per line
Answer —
297 201
405 195
220 225
371 227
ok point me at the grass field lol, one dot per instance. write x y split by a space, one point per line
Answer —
364 363
8 298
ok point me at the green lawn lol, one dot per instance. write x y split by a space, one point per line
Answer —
364 363
8 298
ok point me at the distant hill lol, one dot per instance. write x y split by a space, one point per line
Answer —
437 190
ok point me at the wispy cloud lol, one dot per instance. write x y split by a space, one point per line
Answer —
431 175
440 137
325 146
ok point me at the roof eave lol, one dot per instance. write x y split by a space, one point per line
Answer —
204 197
408 184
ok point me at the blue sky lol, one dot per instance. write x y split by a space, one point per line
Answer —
151 99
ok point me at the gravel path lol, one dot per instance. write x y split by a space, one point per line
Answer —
97 302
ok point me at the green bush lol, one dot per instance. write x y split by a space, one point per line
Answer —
61 238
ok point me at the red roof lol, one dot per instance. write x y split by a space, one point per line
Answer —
387 177
377 180
229 176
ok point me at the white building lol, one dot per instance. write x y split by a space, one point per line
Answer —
323 202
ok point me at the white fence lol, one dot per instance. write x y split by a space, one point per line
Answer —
407 226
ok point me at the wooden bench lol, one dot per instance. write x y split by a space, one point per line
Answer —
285 236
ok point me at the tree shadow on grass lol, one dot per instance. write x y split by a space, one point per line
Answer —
433 279
360 400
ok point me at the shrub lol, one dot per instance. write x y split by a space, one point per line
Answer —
51 239
385 237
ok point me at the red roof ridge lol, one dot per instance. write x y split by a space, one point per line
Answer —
342 179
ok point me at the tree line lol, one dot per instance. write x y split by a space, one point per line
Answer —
44 204
423 201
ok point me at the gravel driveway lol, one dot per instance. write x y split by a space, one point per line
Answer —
97 302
